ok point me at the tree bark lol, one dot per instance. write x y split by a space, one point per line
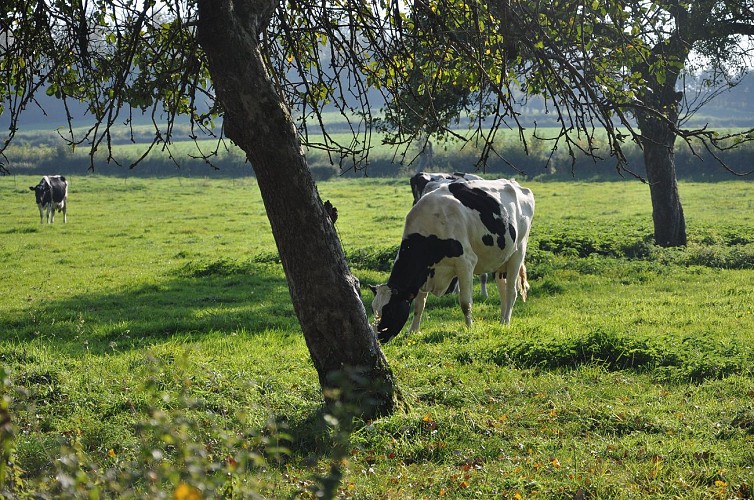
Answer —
325 295
658 135
657 142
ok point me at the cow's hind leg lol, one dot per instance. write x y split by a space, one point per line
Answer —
501 277
506 285
483 283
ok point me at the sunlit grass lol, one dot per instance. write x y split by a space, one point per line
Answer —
158 322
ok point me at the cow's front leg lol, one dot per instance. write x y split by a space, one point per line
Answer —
41 214
419 302
466 289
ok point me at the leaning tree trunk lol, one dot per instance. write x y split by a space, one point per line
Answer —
667 213
325 295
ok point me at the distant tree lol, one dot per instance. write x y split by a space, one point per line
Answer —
721 32
609 65
422 105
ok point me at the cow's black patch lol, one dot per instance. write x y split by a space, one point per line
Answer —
487 206
415 263
415 259
512 230
488 240
419 181
394 316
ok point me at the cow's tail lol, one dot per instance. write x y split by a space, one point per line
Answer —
522 282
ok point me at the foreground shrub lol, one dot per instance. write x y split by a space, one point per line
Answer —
180 452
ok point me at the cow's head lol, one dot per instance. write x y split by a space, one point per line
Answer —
390 311
41 191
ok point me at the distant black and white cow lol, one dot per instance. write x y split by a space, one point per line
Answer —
420 180
457 230
51 194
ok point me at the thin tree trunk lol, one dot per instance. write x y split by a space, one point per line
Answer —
658 134
326 298
657 142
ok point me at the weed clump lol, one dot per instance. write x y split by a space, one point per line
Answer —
220 267
377 259
607 349
744 419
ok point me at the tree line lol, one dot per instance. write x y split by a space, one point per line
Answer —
31 157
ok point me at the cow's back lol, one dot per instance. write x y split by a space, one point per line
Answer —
437 213
489 218
424 182
59 186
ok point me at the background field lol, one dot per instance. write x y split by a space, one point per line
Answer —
41 151
150 349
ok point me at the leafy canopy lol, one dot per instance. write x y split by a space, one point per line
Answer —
433 62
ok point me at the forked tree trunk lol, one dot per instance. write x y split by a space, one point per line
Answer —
658 141
325 295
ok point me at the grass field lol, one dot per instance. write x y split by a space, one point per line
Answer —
150 350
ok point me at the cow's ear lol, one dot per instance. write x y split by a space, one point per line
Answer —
373 288
32 188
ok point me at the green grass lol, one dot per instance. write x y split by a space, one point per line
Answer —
150 347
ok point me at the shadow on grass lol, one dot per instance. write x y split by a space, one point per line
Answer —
190 302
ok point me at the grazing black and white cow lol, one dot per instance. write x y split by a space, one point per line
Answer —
51 194
420 180
458 230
